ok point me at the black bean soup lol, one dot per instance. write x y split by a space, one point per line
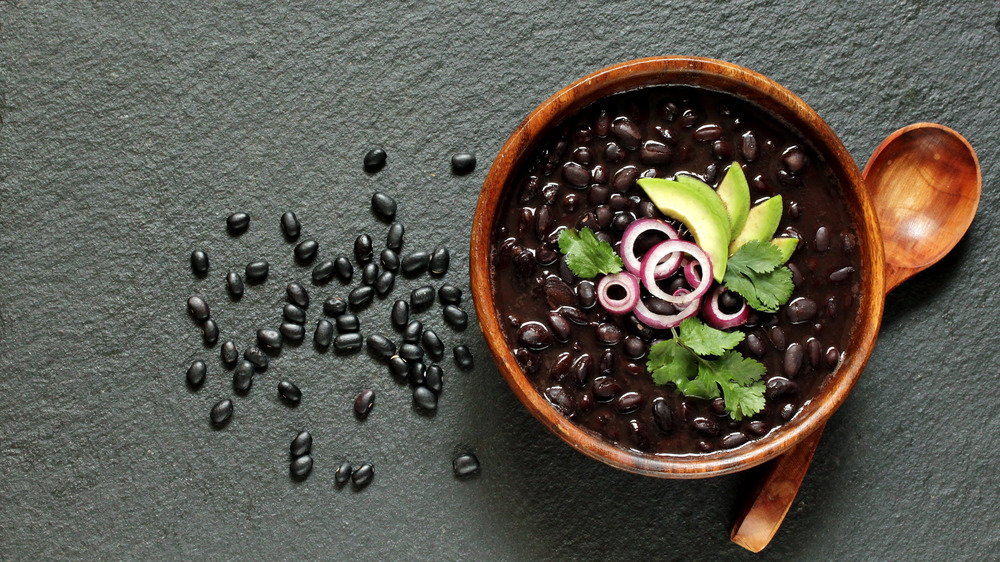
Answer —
590 365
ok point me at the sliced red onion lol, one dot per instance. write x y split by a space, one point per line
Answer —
666 321
627 250
659 252
691 272
713 314
626 281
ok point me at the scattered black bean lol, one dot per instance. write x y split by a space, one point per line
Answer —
196 373
363 248
413 330
306 251
323 271
381 346
369 273
424 398
290 225
439 261
289 392
434 378
398 366
394 239
364 402
449 294
400 313
334 306
374 160
292 332
361 296
344 269
301 444
362 476
465 465
415 263
422 297
463 163
297 295
237 223
221 412
350 342
348 322
343 473
463 357
254 355
384 205
323 336
235 284
210 332
269 338
294 314
229 353
455 316
417 373
199 263
433 344
243 377
198 308
389 260
301 467
411 351
256 272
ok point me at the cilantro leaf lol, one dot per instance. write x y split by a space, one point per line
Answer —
671 362
739 379
705 340
756 272
587 256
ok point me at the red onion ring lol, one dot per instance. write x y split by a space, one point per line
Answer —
647 272
713 314
665 321
624 305
627 250
691 272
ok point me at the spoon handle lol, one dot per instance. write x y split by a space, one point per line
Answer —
767 505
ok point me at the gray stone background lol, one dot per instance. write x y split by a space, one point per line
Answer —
131 130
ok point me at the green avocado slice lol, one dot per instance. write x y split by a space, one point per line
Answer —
786 245
762 222
735 194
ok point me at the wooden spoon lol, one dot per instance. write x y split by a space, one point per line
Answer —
925 184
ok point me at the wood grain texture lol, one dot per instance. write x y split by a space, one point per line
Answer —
772 97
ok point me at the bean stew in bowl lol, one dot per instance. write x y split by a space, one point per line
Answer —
676 267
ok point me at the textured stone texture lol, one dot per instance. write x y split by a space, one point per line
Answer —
130 131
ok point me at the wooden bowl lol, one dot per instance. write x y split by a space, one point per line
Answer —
765 93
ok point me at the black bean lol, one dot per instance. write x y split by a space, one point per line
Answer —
323 336
439 261
323 271
456 317
718 406
269 338
605 389
306 251
654 152
292 332
417 373
535 335
634 347
384 205
344 269
841 274
624 179
626 132
463 357
229 353
301 467
787 411
221 412
463 163
369 273
413 331
706 426
614 153
575 174
363 248
290 225
198 308
662 415
384 283
374 160
256 271
334 306
832 357
199 263
778 386
254 355
801 310
755 345
424 398
394 238
289 392
721 150
237 223
759 427
210 332
343 473
348 322
814 351
364 402
434 378
294 314
398 366
797 278
561 328
422 297
557 372
415 263
629 402
400 313
349 342
795 160
449 294
561 400
733 440
297 295
381 346
362 476
582 369
465 465
608 333
607 362
196 373
389 260
243 377
748 146
822 240
792 362
411 351
361 296
301 444
235 285
777 337
433 344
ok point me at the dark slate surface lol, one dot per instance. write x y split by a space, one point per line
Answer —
130 131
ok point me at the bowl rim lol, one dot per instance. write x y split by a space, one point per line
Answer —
765 93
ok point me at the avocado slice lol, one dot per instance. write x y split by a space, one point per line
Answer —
762 222
786 245
700 209
735 194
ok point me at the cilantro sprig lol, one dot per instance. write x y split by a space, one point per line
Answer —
702 363
587 256
756 272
